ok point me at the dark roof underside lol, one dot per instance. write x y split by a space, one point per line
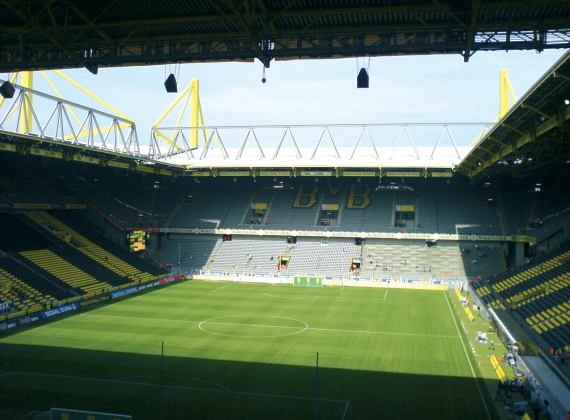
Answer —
56 34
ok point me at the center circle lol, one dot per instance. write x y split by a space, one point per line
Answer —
253 326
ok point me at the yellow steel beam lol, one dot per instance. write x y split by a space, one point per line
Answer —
192 95
196 108
506 89
92 95
72 112
173 104
166 138
85 132
26 119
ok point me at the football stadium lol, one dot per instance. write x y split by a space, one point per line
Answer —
281 271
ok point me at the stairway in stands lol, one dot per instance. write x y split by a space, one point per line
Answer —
88 248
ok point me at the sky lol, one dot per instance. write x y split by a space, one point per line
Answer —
406 89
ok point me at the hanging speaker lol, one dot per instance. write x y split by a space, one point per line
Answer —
7 90
170 84
362 79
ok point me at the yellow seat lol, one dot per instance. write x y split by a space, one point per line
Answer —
548 325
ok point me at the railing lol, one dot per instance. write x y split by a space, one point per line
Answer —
37 114
363 277
434 142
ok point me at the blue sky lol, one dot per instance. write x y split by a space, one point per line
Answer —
436 89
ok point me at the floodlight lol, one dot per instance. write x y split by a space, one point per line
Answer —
170 84
362 79
7 90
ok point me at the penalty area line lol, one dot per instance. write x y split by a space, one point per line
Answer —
31 413
189 388
220 288
345 410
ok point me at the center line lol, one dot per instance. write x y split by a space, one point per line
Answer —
278 326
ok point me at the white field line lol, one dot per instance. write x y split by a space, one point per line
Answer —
382 333
385 294
6 374
190 388
31 413
345 410
467 357
177 377
322 297
220 288
274 326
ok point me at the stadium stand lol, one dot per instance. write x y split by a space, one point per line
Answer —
81 239
193 254
252 256
40 280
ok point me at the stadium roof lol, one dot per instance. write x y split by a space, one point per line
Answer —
45 34
535 131
48 34
377 147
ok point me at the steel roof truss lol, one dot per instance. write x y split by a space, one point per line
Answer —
17 9
365 128
259 149
445 128
325 130
522 133
546 116
405 128
297 151
187 149
118 135
475 5
24 107
564 76
172 145
219 141
133 141
62 115
13 108
174 148
91 23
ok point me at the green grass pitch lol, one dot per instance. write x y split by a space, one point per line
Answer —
244 351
